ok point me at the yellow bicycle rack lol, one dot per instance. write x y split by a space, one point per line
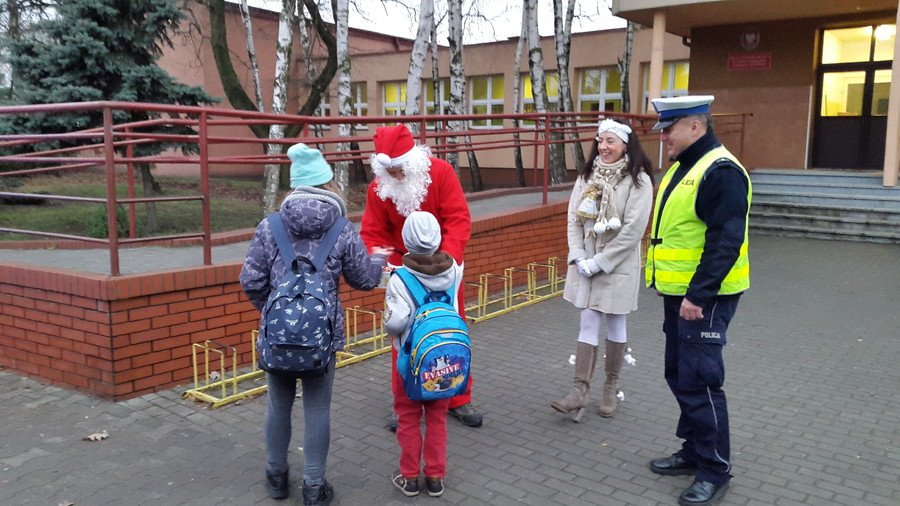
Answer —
365 336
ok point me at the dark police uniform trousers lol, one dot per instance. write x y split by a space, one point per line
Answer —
695 373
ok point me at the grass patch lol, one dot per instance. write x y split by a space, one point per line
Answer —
234 205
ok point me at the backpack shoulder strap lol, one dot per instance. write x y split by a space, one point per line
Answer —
328 242
415 287
276 225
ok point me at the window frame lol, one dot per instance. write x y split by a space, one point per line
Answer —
488 102
552 101
400 106
358 105
443 85
668 90
603 96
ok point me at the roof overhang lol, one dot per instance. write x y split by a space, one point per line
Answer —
684 15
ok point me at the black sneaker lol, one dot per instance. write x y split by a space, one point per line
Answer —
435 486
393 422
410 488
278 484
467 415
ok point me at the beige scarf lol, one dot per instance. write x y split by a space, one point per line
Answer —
596 200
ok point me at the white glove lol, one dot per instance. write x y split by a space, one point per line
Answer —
587 267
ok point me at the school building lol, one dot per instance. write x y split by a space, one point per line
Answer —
380 65
816 74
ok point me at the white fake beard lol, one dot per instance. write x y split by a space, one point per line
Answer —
409 193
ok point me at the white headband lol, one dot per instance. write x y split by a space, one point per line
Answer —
621 130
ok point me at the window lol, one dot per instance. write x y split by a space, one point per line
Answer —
486 97
360 100
674 81
444 98
393 102
552 80
324 109
600 89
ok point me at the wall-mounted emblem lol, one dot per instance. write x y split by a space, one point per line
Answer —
750 38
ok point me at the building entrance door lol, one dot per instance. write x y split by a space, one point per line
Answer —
853 82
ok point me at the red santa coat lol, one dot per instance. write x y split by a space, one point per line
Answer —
382 224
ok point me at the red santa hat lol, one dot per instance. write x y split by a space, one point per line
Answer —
394 145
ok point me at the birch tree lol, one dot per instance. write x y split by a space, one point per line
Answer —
517 84
457 77
539 85
417 60
436 74
271 172
562 27
625 67
306 46
251 55
345 104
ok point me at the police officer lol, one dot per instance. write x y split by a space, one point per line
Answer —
698 262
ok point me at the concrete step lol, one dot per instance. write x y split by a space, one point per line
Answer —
812 177
826 189
841 225
841 235
857 214
836 200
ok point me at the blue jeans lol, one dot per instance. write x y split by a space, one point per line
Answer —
316 422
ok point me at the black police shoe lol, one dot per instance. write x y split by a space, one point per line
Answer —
467 415
673 465
702 493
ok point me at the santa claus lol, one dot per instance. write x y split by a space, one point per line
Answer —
408 179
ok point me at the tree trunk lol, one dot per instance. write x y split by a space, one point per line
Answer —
517 84
457 79
539 87
231 83
625 67
151 189
562 24
279 102
436 80
345 105
417 60
251 53
359 170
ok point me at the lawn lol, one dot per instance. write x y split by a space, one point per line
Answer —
234 204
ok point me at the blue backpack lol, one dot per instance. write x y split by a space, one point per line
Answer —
296 327
434 361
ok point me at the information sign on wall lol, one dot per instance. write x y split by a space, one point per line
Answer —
750 61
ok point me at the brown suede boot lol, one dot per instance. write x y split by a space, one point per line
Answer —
585 361
615 353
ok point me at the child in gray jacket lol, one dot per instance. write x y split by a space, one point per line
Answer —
437 271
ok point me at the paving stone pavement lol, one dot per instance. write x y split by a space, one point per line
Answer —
812 383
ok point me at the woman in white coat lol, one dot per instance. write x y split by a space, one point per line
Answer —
607 217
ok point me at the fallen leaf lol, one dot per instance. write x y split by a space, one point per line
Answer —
97 436
67 503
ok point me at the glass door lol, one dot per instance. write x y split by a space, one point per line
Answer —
853 83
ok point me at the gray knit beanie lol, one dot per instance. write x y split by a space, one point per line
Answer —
421 233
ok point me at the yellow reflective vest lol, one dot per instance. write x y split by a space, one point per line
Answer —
678 235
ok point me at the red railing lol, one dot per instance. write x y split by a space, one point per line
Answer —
218 131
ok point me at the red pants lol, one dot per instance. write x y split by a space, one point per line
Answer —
412 446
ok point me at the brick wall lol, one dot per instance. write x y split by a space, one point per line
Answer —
119 337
